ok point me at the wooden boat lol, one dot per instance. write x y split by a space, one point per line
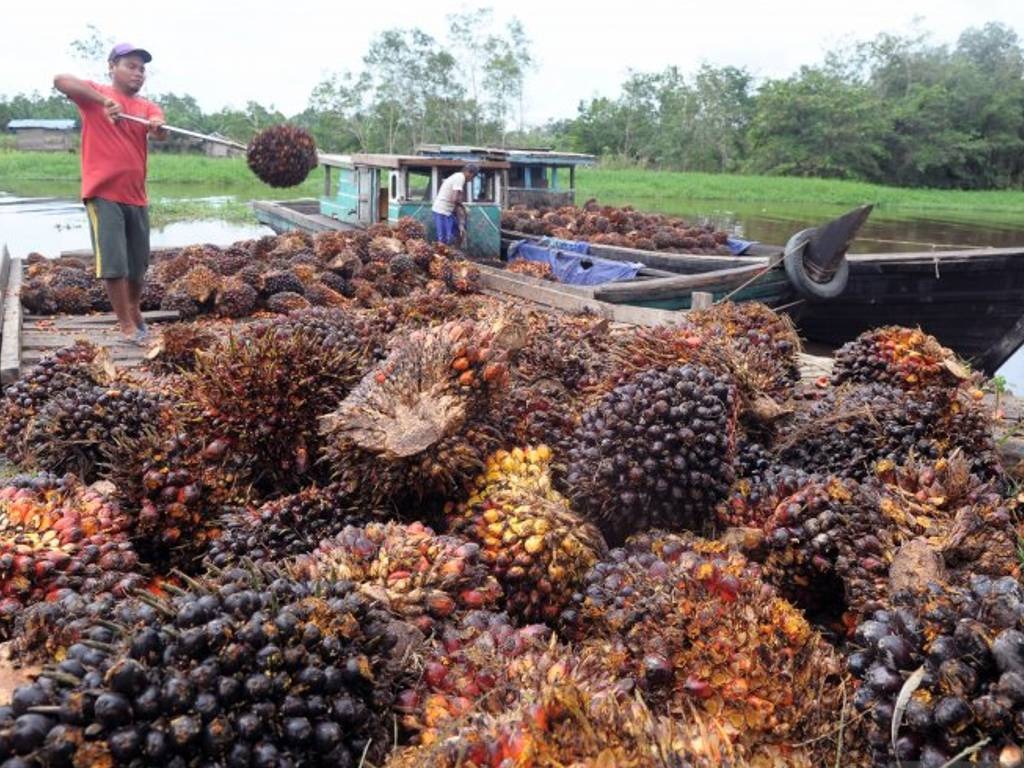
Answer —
972 301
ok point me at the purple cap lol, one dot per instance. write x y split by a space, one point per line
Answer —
123 49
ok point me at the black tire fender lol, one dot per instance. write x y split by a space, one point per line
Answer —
805 285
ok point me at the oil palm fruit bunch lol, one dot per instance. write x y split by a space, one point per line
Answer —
407 228
177 346
762 347
236 298
262 392
331 327
200 284
420 575
252 671
37 297
762 482
57 536
176 300
327 245
55 373
655 452
535 545
957 654
319 295
847 430
702 631
829 549
540 413
573 351
83 430
73 300
281 281
152 295
285 527
538 269
904 357
287 301
414 426
178 486
282 155
468 664
970 525
566 713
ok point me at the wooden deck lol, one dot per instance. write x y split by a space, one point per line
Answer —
24 339
41 335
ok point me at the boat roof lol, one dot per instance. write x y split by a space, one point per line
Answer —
405 161
48 124
514 155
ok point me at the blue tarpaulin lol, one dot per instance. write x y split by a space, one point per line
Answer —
738 246
572 267
574 246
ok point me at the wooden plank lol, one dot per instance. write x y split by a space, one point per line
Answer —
685 263
542 293
299 219
107 318
10 346
701 300
669 287
5 271
929 256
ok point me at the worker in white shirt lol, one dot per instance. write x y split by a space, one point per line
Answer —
448 203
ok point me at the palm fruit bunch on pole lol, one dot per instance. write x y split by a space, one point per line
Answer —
177 346
947 664
467 665
656 452
530 538
282 155
905 357
415 426
84 429
694 628
829 549
284 527
261 393
53 374
414 572
846 430
252 670
58 536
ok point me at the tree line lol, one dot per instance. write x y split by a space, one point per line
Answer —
897 109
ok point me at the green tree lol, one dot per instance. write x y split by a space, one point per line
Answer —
817 124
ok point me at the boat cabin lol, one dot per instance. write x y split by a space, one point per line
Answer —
361 190
535 178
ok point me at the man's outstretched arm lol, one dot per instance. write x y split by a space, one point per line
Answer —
79 91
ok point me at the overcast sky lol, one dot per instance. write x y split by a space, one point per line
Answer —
274 53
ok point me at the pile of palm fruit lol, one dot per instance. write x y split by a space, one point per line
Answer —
431 527
274 273
623 227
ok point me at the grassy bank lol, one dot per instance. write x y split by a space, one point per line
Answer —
181 184
642 185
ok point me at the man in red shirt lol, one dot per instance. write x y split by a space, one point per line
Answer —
114 153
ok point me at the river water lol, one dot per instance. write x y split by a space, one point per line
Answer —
49 225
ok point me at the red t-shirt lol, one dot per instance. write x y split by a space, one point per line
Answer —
114 154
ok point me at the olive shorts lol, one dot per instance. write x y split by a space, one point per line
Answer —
120 238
